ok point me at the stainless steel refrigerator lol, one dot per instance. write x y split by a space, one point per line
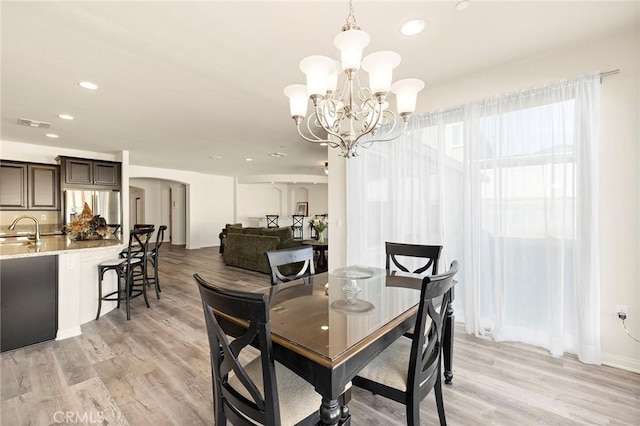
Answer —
103 203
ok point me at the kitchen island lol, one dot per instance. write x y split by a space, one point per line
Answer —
74 266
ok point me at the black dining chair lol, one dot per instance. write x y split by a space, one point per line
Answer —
430 253
262 391
290 264
410 368
297 226
127 268
272 221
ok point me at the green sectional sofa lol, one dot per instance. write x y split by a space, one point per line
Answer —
245 247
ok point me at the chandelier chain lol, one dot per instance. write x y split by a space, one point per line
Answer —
351 18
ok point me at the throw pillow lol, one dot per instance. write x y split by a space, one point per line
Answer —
234 230
233 225
283 233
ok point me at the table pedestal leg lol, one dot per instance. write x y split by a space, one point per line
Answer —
330 412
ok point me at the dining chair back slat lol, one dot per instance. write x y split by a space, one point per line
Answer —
299 261
428 252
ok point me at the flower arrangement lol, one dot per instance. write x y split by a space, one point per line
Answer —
319 224
88 226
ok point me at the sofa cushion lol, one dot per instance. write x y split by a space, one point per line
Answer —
289 244
247 251
232 225
252 231
234 230
284 233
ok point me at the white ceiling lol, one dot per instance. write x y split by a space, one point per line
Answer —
183 81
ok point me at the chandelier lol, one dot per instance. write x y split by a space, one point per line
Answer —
341 118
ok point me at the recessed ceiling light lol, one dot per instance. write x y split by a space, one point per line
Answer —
462 4
324 327
88 85
65 116
323 144
52 135
412 27
216 157
248 159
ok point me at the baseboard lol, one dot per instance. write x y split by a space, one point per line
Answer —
622 362
68 332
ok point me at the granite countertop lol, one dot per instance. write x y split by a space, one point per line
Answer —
28 228
52 244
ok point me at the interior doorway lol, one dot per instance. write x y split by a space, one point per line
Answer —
164 203
136 205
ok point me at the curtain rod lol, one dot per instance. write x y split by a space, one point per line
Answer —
606 73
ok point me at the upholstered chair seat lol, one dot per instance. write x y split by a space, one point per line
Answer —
390 367
297 397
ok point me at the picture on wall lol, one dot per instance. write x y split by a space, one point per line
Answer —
302 208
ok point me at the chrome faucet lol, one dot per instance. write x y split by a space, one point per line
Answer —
37 237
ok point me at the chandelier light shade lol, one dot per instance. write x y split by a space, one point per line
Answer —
344 114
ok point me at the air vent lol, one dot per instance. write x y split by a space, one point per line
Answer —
33 123
277 154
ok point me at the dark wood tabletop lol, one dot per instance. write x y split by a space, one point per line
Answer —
326 340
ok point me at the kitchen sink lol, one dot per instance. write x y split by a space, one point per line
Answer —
16 241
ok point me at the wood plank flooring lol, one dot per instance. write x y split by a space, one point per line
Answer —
154 370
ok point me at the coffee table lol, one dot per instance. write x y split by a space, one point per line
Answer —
321 248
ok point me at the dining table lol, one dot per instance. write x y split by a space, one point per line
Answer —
329 326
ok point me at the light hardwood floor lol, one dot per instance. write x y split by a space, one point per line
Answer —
154 370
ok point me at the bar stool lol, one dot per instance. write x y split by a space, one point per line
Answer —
125 270
272 220
152 256
297 226
138 274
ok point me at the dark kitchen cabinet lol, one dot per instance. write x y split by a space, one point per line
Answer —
44 187
29 301
13 185
29 186
81 172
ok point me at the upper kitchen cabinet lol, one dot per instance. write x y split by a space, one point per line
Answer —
44 187
13 185
29 186
81 172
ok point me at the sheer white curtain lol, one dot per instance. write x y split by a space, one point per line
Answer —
509 187
531 246
396 192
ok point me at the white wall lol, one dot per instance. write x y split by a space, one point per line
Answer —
318 198
619 163
209 202
255 200
259 199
